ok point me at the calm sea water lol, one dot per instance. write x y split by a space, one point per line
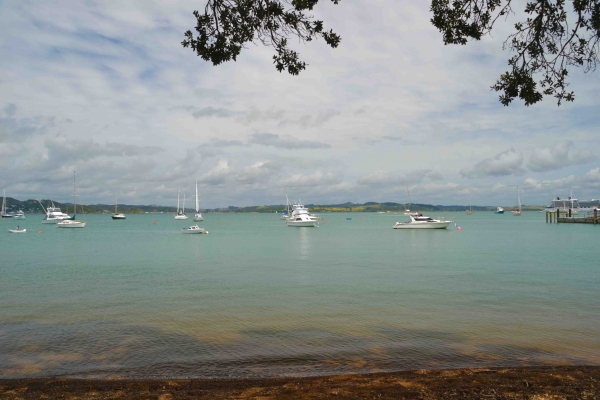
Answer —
257 298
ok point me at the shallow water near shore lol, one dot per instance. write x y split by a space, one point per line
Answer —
256 298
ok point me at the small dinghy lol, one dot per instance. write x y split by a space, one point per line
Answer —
193 229
18 230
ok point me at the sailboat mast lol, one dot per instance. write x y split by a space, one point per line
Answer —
197 202
74 195
178 192
183 208
116 202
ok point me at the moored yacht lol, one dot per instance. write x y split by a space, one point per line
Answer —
19 215
180 214
419 221
118 215
72 222
193 229
198 215
301 217
3 212
499 210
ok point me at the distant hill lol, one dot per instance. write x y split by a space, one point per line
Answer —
33 206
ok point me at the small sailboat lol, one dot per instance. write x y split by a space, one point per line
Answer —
72 223
116 215
517 212
469 211
193 229
3 212
198 215
180 213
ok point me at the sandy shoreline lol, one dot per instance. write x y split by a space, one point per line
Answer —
489 383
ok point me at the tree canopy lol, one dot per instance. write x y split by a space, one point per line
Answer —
555 36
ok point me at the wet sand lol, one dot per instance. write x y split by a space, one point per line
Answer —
494 383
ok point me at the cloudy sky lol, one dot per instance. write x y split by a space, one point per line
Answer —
106 89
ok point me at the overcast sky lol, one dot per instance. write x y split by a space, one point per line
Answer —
106 89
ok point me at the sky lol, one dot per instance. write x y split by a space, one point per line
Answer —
107 90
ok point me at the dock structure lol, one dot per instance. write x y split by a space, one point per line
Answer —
555 217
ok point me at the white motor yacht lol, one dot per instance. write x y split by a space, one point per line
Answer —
53 214
301 217
19 215
193 229
422 222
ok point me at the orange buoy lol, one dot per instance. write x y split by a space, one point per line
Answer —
458 228
361 218
40 232
324 222
154 221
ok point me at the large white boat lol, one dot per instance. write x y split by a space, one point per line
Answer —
19 215
180 214
422 222
576 206
198 214
499 210
54 214
3 212
72 223
301 217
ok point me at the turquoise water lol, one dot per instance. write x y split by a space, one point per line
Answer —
257 298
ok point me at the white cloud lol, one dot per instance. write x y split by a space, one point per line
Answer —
558 156
508 162
285 142
218 175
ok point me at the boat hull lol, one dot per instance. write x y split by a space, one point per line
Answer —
302 223
181 217
198 217
17 231
120 216
429 225
19 217
189 231
71 224
498 212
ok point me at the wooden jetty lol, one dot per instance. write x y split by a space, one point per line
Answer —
567 218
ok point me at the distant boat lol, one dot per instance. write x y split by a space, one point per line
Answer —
517 212
54 214
198 215
180 213
193 229
72 223
499 210
422 222
19 215
116 215
3 212
348 219
469 211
